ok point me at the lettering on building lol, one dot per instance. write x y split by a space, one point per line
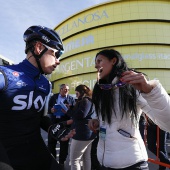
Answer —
146 56
89 18
77 64
80 42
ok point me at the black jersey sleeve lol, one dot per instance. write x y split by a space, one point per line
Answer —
45 123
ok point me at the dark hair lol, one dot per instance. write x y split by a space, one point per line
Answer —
104 99
84 91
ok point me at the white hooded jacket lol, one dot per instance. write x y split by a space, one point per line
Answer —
118 151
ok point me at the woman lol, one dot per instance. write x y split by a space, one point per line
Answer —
119 96
81 142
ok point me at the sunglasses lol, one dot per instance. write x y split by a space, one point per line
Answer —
57 52
111 86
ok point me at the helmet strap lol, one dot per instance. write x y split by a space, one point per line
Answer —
37 58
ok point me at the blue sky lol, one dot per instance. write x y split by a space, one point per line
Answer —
17 15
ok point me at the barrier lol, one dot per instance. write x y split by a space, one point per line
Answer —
155 161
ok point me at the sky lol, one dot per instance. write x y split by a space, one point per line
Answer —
17 15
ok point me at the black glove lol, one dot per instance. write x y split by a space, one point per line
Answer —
59 130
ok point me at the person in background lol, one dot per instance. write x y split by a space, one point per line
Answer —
120 96
152 142
80 147
142 124
62 96
24 93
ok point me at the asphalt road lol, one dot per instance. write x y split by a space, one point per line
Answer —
67 163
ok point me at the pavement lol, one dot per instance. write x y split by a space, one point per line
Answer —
152 166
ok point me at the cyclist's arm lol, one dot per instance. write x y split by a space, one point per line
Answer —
2 81
45 123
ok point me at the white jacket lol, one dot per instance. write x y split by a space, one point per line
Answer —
118 151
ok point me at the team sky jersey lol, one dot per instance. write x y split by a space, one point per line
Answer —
23 93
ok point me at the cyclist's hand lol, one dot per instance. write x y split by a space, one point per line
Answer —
61 131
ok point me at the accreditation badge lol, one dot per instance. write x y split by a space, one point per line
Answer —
102 131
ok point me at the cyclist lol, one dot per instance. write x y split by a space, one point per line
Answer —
24 93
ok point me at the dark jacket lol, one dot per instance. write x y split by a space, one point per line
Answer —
53 100
81 114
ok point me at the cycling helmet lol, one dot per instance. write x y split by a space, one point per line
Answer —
45 35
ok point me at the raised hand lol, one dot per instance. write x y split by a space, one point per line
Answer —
138 80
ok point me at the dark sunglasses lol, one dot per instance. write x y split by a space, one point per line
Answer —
111 86
58 53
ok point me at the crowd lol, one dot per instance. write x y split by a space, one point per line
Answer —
103 123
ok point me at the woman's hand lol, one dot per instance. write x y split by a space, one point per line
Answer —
71 133
93 125
138 80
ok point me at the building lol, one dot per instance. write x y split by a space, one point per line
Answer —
138 29
4 61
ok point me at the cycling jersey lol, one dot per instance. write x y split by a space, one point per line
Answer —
23 100
23 93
